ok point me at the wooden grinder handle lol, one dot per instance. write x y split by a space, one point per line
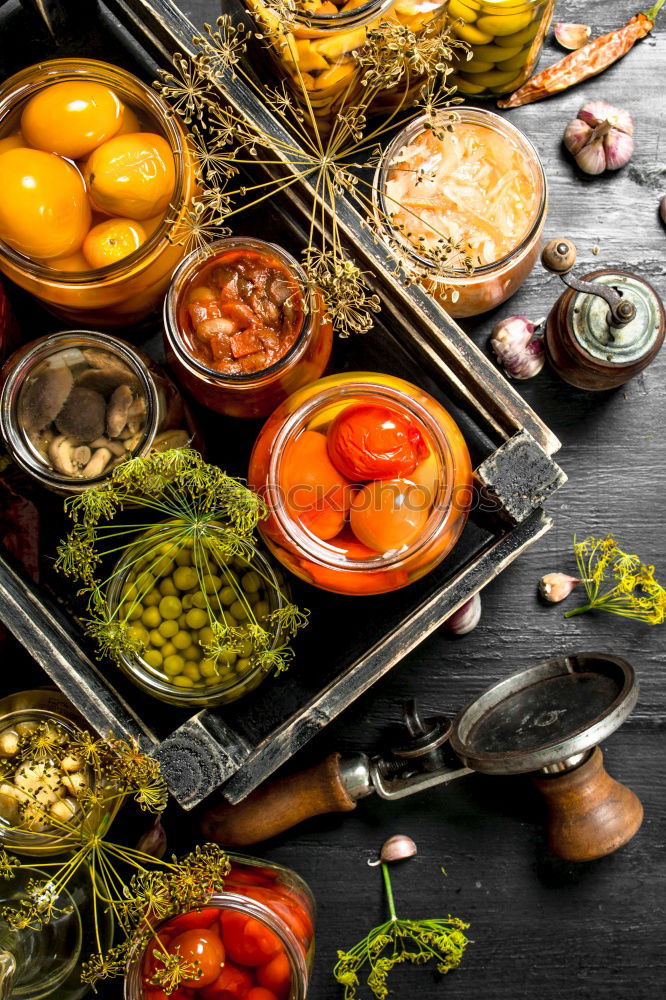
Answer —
279 805
589 813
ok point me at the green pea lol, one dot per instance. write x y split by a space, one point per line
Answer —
139 633
261 609
206 635
170 607
167 588
168 649
191 670
153 658
151 617
243 665
211 583
185 577
211 681
251 582
152 599
145 582
168 628
193 653
182 621
238 610
183 558
182 640
199 599
245 648
227 618
173 665
182 681
228 595
131 612
208 668
186 601
196 618
228 657
156 638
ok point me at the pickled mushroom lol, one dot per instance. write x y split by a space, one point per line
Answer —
45 397
83 415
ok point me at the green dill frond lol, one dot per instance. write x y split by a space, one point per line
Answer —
617 582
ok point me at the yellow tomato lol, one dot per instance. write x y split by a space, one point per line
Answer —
71 119
131 176
44 211
389 514
112 240
75 263
14 141
129 121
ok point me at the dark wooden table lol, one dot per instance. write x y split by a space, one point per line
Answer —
539 926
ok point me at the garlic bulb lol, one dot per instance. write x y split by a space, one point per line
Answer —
571 36
600 137
555 587
520 353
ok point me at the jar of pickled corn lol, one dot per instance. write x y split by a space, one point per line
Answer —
253 940
482 187
95 174
315 50
505 39
242 327
368 482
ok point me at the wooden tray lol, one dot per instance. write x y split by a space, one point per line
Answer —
239 746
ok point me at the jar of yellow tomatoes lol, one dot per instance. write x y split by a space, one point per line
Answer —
368 483
315 51
477 185
95 175
505 39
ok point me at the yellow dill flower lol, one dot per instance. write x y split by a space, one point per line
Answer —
617 582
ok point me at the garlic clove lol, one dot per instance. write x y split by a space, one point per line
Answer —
396 848
555 587
571 36
595 112
592 158
618 148
662 209
521 354
154 841
466 618
576 135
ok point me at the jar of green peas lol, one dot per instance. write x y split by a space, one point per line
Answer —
505 39
201 623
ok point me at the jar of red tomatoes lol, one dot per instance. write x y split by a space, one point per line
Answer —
253 941
242 327
368 482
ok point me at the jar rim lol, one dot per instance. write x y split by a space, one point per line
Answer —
341 20
21 364
471 115
188 268
137 670
316 550
64 69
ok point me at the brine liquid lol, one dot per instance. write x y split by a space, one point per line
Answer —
473 186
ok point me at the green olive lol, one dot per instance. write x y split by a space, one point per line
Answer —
521 37
458 9
168 629
515 62
170 607
173 665
494 53
474 66
501 25
470 33
467 87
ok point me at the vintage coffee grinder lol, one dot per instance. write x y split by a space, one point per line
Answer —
607 327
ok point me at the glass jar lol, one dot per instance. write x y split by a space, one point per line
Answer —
497 209
48 431
184 675
315 51
124 292
253 393
505 39
361 533
260 897
20 715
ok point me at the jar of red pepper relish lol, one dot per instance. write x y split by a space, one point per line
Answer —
368 483
242 327
254 940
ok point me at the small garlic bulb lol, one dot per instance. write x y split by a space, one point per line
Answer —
516 347
555 587
600 137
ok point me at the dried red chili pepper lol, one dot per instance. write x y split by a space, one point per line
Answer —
587 61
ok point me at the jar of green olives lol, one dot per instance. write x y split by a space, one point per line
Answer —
180 597
505 39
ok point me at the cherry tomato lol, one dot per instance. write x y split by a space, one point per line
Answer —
276 976
189 921
428 476
248 941
314 491
71 118
156 994
151 959
260 993
371 441
231 982
204 947
283 904
389 514
251 876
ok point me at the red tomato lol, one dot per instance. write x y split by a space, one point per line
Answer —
259 993
283 904
276 976
205 947
156 994
151 958
192 920
372 441
247 940
310 482
389 514
231 982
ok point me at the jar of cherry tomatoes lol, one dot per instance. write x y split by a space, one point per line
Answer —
75 404
368 483
253 941
96 175
242 327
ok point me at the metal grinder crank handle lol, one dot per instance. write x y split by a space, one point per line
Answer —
333 785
